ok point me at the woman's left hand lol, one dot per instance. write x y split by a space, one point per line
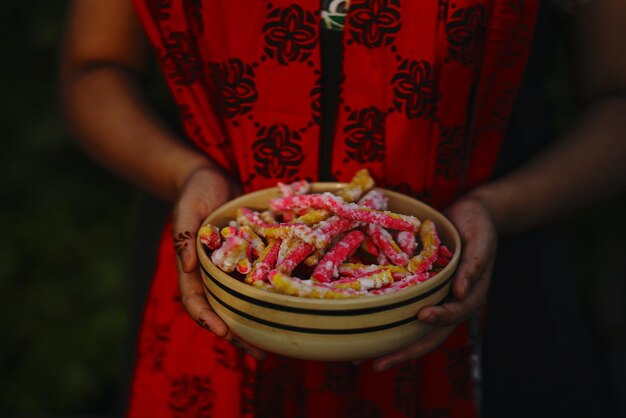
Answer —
470 285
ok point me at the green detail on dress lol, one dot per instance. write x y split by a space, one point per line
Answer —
334 13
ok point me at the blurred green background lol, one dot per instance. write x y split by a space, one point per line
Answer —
68 228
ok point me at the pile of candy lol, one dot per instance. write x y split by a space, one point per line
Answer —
346 249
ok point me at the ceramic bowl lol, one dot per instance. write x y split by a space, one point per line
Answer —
323 329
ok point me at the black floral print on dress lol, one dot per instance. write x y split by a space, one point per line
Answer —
406 189
466 32
193 10
442 14
452 153
277 152
458 371
156 346
180 60
234 89
405 387
290 34
159 9
374 23
363 408
316 105
191 396
227 355
365 135
341 378
415 90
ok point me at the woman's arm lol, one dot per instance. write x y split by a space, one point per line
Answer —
102 59
587 164
103 56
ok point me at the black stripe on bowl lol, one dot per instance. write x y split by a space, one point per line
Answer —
338 312
311 330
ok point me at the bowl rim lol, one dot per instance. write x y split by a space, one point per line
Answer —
438 280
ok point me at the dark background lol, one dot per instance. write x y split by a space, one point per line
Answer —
69 237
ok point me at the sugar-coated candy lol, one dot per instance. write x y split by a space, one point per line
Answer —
306 288
408 281
361 182
347 210
357 269
262 265
334 239
256 243
210 236
327 266
430 247
385 243
407 242
295 188
366 281
231 254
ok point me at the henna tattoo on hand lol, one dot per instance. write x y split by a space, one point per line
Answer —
203 324
180 242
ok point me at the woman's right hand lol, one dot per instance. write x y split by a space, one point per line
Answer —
204 190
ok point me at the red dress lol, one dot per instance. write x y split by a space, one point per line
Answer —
427 89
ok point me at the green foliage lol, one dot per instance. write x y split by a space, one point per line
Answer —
67 231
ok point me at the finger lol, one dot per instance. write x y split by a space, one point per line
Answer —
185 224
196 304
423 346
476 255
246 347
455 312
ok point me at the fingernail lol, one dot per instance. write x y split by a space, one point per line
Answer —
219 330
186 258
464 287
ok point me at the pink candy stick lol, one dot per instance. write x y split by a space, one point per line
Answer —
387 245
276 231
210 236
407 242
401 284
295 257
370 280
308 289
295 188
256 243
374 199
228 256
445 251
263 264
347 210
369 246
328 229
430 249
354 270
327 266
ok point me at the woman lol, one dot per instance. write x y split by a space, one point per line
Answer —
424 99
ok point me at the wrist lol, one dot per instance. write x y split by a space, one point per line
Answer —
492 198
191 167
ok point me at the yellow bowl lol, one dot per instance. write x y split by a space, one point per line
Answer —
323 329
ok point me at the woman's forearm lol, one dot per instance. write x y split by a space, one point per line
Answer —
588 164
113 123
